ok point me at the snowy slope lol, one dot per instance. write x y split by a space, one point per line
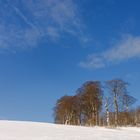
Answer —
14 130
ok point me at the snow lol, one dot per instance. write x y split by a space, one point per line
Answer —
18 130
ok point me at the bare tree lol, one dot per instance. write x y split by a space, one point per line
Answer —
64 110
91 99
67 110
128 101
117 88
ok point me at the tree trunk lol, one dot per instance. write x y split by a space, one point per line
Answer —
107 113
116 109
97 115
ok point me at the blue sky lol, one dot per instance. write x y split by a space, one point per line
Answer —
49 48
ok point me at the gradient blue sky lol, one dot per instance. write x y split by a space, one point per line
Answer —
48 48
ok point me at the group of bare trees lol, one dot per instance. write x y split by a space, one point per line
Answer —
117 106
81 109
90 107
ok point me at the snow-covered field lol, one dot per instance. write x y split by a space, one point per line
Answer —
16 130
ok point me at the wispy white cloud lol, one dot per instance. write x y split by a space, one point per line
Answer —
24 23
23 16
127 48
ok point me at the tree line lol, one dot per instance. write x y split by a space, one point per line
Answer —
95 104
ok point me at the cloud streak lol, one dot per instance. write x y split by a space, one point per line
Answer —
27 22
23 17
125 49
